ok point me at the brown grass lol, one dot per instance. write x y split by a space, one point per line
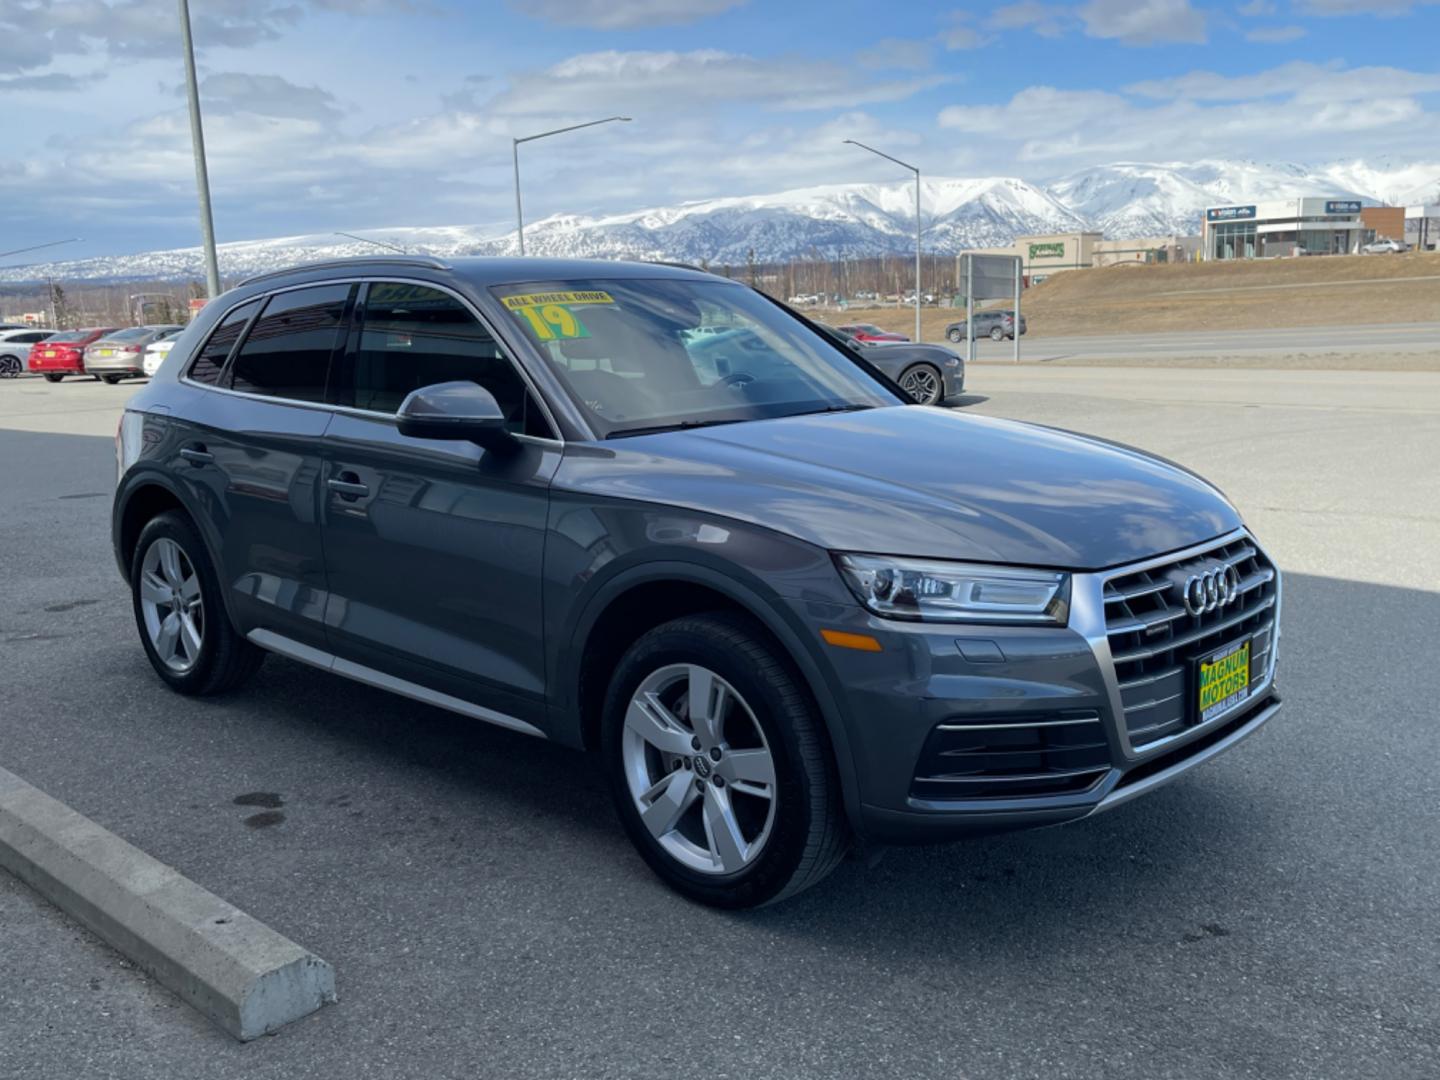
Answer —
1316 291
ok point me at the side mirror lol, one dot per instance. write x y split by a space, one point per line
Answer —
454 410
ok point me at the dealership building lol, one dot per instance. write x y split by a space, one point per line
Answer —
1307 226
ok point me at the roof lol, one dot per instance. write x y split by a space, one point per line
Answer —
485 271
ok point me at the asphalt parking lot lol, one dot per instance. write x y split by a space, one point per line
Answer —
1270 915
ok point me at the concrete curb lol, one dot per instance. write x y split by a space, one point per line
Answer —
241 974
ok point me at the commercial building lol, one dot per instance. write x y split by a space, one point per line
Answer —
1041 256
1422 227
1305 226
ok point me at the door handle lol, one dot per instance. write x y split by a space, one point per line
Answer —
197 455
348 486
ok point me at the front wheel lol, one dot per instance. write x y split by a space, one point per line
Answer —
10 367
997 334
51 376
719 764
180 612
955 336
923 383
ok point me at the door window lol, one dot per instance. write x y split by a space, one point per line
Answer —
409 336
287 352
209 362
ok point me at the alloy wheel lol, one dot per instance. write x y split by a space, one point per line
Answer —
172 606
10 367
699 769
922 384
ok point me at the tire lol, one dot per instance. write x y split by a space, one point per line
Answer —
955 336
222 659
924 384
997 334
53 376
10 367
787 841
109 380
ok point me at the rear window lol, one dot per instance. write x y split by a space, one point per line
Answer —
70 335
210 360
133 334
287 352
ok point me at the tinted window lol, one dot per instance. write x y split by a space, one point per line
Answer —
412 336
286 354
211 358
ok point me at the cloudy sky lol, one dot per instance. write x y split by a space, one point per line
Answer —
355 114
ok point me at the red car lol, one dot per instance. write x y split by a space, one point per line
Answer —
63 354
870 332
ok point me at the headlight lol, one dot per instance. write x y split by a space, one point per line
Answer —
956 592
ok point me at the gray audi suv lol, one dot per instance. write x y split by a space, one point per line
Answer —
788 610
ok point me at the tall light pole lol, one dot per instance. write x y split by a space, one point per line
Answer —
197 145
912 168
515 151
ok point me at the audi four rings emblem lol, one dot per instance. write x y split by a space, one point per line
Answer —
1210 589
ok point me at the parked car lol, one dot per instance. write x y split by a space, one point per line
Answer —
64 353
783 610
15 347
870 332
120 355
157 351
928 373
996 325
1385 246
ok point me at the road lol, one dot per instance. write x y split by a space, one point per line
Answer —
1271 915
1366 341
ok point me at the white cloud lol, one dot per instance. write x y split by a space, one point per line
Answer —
653 83
960 34
1383 8
623 14
1304 81
1256 8
1047 20
1144 22
1275 35
896 53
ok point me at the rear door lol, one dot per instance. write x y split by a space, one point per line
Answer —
433 549
250 448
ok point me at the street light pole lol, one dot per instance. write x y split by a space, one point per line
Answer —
197 145
515 153
916 171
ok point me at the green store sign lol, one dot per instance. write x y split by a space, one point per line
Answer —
1047 251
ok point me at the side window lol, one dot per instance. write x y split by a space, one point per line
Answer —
210 360
412 336
287 352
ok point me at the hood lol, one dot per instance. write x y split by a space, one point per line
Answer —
918 481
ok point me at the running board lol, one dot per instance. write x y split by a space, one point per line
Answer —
295 650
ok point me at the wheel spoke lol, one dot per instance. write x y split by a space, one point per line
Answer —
189 635
190 590
753 768
170 564
722 831
153 588
707 704
649 719
169 636
667 802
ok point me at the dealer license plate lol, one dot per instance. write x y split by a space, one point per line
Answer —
1223 680
107 352
49 353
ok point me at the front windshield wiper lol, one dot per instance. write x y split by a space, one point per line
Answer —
678 425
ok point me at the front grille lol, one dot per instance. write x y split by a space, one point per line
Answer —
1154 639
1058 753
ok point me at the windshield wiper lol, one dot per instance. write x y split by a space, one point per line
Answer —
678 425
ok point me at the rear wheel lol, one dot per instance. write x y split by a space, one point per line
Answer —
955 335
180 612
923 383
719 765
53 376
110 380
997 334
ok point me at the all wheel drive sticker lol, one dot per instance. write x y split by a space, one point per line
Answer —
551 315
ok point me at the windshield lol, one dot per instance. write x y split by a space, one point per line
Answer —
647 355
71 335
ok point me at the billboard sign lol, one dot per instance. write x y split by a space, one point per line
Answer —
995 276
1050 250
1229 213
1342 206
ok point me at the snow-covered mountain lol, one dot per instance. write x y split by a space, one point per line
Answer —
1125 200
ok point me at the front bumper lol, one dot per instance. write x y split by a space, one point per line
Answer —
928 715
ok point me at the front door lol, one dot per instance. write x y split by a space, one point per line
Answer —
433 549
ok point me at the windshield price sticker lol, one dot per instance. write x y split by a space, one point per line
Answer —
549 313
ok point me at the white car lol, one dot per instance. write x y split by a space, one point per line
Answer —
15 347
1385 247
155 354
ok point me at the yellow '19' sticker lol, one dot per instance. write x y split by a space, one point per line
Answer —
549 314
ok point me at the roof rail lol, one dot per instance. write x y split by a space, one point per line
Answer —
354 260
678 265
